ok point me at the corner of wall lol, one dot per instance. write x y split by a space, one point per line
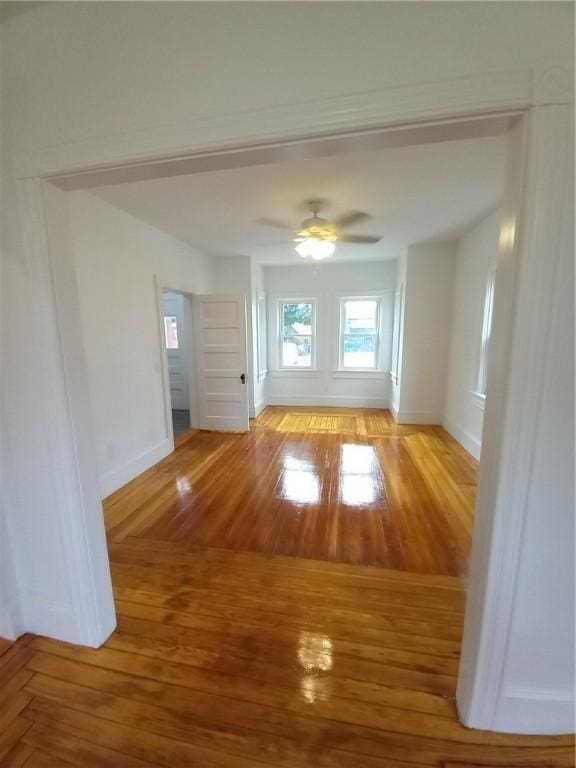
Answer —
115 478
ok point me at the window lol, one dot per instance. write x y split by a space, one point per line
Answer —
171 332
262 342
486 329
359 323
296 323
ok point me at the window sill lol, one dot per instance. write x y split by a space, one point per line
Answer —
290 373
357 373
478 399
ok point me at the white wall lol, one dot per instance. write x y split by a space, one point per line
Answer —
11 619
476 250
326 283
117 257
75 70
426 338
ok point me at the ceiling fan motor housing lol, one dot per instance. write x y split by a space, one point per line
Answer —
318 229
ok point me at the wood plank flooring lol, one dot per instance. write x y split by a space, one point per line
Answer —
225 658
344 485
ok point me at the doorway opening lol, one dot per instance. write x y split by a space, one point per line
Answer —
488 475
177 344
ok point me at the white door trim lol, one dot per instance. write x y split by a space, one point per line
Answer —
406 106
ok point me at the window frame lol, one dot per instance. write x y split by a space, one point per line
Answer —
280 333
378 298
485 332
397 316
262 335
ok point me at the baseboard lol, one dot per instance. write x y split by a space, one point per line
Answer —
115 478
327 401
394 412
536 711
417 417
11 618
259 407
466 440
47 618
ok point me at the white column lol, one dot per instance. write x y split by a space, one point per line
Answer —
517 671
52 508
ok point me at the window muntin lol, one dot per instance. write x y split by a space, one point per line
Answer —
359 333
171 332
296 322
485 335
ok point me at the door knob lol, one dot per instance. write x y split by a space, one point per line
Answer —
243 378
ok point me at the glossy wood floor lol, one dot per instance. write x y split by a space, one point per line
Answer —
346 486
237 659
227 659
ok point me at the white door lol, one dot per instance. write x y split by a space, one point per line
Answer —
221 362
175 334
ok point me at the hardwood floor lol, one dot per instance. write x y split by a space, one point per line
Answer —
225 658
347 486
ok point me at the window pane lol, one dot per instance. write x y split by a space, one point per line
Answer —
359 351
360 315
297 319
171 332
297 351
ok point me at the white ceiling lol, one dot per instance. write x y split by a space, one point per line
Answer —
414 194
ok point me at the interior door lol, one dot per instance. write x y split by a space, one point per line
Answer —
176 350
221 362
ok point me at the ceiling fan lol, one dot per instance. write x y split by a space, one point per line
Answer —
317 237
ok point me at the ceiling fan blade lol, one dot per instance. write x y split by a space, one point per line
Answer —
360 239
350 218
274 223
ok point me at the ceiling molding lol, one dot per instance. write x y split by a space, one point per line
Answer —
400 105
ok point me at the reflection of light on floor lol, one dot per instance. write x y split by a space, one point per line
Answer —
358 459
360 481
356 490
300 487
314 688
315 656
314 651
183 486
297 463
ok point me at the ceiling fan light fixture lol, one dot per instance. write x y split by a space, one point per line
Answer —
315 248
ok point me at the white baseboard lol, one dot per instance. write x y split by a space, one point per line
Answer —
327 401
115 478
417 417
536 711
259 407
11 618
47 618
466 440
